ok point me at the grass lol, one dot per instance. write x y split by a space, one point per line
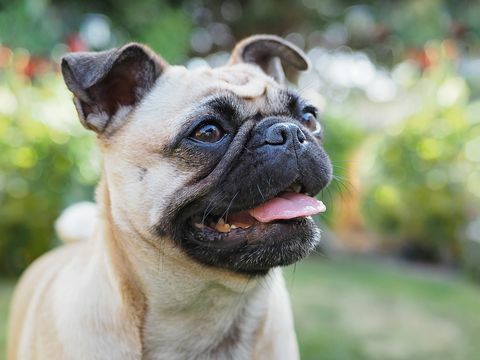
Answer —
350 310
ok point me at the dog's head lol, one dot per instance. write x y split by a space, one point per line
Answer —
222 162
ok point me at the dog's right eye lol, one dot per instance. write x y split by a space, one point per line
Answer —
208 132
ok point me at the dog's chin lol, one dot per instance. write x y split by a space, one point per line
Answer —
251 247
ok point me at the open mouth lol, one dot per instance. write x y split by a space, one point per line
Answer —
291 208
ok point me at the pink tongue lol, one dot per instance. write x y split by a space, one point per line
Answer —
287 206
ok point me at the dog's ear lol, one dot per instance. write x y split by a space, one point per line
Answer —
270 52
105 83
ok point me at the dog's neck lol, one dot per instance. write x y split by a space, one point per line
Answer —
181 308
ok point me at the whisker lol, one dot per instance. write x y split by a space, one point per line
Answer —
225 214
260 191
208 210
344 161
320 253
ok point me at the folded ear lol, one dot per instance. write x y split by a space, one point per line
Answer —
103 83
270 52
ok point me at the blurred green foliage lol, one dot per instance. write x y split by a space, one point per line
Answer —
32 25
341 140
45 161
386 30
421 177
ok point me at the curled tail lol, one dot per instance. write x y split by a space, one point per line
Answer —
77 222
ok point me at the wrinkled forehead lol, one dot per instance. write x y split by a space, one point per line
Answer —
243 80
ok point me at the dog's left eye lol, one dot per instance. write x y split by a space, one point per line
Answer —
309 119
208 132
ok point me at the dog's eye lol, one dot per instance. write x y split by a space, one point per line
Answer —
309 119
208 132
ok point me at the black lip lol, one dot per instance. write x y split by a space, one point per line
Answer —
255 250
256 234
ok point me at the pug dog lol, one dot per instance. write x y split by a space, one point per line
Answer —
207 189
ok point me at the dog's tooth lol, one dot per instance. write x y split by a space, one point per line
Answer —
200 226
222 226
297 188
233 227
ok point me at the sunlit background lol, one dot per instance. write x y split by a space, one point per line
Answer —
398 83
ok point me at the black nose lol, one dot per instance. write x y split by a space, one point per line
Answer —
286 134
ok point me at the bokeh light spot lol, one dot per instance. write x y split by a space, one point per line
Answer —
429 149
386 195
25 157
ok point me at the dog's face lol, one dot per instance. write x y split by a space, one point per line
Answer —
221 162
